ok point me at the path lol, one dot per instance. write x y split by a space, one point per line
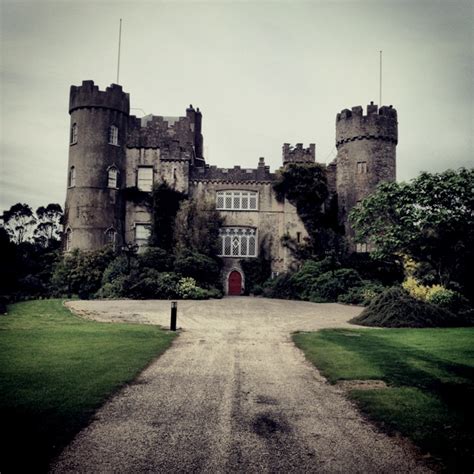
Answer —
233 394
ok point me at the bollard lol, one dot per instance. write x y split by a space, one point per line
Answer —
174 312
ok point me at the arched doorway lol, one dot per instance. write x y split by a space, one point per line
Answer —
235 283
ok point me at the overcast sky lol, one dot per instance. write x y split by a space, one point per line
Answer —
262 73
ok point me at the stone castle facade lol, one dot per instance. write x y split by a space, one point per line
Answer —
111 150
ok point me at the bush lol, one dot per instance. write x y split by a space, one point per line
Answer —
151 284
305 278
361 295
113 289
188 289
118 267
330 285
280 287
450 300
395 308
413 287
257 271
200 267
156 258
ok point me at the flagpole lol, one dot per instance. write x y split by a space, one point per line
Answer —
118 60
380 82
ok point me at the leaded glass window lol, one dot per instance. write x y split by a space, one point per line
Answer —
237 200
238 242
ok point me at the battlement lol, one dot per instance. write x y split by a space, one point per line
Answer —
89 95
377 124
236 174
298 154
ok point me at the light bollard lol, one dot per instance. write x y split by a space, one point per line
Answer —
174 313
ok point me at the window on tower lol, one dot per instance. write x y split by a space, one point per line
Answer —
142 234
113 135
362 248
111 237
73 137
68 239
145 178
362 167
72 177
112 177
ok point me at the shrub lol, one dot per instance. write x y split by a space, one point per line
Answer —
305 278
200 267
156 258
112 289
361 295
257 271
118 267
413 287
188 289
280 287
152 284
396 308
330 285
450 300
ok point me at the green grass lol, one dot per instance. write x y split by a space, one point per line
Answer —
56 370
430 373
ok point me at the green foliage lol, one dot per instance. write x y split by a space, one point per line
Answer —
257 270
330 285
306 278
363 294
165 203
305 186
195 265
80 273
197 228
429 219
429 373
48 229
136 196
280 287
151 284
451 301
395 308
156 258
56 370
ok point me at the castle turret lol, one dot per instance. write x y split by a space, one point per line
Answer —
94 214
366 155
298 154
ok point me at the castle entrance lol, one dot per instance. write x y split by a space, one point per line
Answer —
235 283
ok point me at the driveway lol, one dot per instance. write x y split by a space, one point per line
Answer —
233 394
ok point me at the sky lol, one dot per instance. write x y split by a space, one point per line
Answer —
262 73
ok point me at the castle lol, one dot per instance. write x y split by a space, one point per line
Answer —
111 150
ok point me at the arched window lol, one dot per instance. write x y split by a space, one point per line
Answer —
112 175
72 176
73 137
68 239
113 135
111 236
238 242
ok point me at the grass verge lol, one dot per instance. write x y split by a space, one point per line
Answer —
56 370
430 374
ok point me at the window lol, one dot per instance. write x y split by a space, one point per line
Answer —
362 167
362 248
145 178
113 135
112 175
72 176
237 200
73 137
238 242
68 239
110 237
142 234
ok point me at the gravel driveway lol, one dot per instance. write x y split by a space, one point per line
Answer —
233 394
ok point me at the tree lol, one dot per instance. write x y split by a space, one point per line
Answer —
429 219
18 222
165 203
305 186
197 227
48 230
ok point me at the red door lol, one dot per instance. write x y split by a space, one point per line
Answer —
235 283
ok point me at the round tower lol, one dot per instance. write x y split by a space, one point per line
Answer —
366 155
94 214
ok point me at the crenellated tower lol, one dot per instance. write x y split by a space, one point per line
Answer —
94 214
366 155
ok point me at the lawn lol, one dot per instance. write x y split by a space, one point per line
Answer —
430 378
56 370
